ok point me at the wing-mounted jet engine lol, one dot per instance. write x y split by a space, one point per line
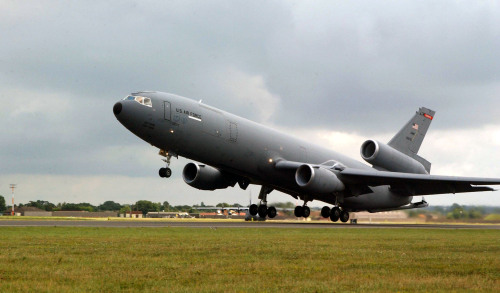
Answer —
205 177
318 180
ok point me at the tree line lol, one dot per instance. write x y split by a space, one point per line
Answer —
454 211
143 206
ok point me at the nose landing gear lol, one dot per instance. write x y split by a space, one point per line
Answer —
166 172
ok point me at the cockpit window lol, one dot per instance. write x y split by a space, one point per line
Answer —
141 100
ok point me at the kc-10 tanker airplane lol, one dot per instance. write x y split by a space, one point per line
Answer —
232 150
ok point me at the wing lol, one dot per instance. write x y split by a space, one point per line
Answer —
416 184
360 180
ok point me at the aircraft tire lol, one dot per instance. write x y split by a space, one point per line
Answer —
306 211
162 172
335 214
271 212
344 216
253 209
168 172
325 212
299 211
262 211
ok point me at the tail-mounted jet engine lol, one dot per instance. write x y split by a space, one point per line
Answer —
318 180
205 177
384 156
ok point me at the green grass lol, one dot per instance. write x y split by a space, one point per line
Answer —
56 259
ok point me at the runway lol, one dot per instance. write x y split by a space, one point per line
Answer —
228 224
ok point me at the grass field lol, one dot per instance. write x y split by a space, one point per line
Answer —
56 259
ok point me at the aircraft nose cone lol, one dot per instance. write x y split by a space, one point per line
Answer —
117 108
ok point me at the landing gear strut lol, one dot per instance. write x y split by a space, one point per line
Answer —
165 172
262 209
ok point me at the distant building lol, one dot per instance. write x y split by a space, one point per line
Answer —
391 216
133 214
32 212
168 215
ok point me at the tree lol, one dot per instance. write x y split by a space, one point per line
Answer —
3 207
84 206
125 209
146 206
110 206
223 205
41 204
457 212
166 206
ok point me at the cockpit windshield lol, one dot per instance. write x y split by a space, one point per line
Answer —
141 100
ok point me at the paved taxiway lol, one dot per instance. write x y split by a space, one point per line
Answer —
229 224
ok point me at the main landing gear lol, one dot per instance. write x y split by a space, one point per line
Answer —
262 210
335 214
165 172
302 211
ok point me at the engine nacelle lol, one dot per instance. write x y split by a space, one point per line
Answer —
205 177
382 155
318 180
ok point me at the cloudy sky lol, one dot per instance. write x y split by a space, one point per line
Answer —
334 72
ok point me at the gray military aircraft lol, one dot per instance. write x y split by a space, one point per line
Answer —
233 150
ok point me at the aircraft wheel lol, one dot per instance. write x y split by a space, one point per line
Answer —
262 211
299 211
162 172
168 172
344 216
325 212
271 212
306 211
253 209
335 214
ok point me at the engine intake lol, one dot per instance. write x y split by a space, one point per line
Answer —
205 177
381 155
318 180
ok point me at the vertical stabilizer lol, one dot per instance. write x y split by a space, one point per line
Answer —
409 139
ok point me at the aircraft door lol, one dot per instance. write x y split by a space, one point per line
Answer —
167 110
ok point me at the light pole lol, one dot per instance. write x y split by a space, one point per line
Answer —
13 186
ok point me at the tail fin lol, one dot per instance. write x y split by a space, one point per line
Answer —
409 139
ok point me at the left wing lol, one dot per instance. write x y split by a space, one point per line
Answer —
416 184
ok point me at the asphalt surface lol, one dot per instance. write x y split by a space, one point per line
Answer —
228 224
